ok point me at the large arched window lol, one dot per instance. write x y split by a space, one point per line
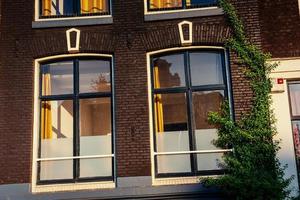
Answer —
76 126
186 86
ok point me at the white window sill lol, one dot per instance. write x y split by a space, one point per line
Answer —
72 187
180 180
179 14
72 21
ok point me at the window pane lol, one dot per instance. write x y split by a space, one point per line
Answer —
57 78
201 3
94 76
173 163
54 170
95 126
93 6
171 122
169 71
210 161
95 167
295 99
206 68
164 4
58 7
203 103
56 128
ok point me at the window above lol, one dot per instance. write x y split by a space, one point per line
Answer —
70 13
157 5
178 9
73 8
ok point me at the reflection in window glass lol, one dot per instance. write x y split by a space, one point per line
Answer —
171 121
57 78
295 99
169 71
56 129
206 68
95 126
165 4
94 76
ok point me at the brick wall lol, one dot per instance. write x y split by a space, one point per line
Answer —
128 39
280 25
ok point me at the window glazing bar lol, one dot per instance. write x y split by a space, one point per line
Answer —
194 152
76 157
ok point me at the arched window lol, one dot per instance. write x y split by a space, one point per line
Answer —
76 126
186 86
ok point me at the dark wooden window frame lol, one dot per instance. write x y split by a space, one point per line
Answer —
188 91
75 97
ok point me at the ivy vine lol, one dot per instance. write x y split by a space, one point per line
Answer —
253 170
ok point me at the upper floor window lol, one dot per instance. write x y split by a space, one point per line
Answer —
75 123
157 5
72 8
186 87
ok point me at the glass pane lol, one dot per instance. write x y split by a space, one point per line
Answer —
295 99
210 161
165 4
54 170
203 103
95 167
93 6
169 71
94 76
58 7
201 3
206 68
173 163
171 122
296 136
57 78
56 128
95 126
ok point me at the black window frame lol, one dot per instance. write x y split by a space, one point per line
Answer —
76 10
188 90
76 97
183 7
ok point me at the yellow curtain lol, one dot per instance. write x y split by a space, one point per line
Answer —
47 7
159 117
92 6
188 2
46 118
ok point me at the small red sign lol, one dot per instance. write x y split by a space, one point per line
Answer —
280 81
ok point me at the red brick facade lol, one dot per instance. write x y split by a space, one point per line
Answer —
128 39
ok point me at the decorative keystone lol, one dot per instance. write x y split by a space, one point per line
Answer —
73 39
186 32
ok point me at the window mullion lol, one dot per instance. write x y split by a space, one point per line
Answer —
190 111
76 137
184 4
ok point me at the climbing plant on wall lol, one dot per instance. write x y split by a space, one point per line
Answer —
253 171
